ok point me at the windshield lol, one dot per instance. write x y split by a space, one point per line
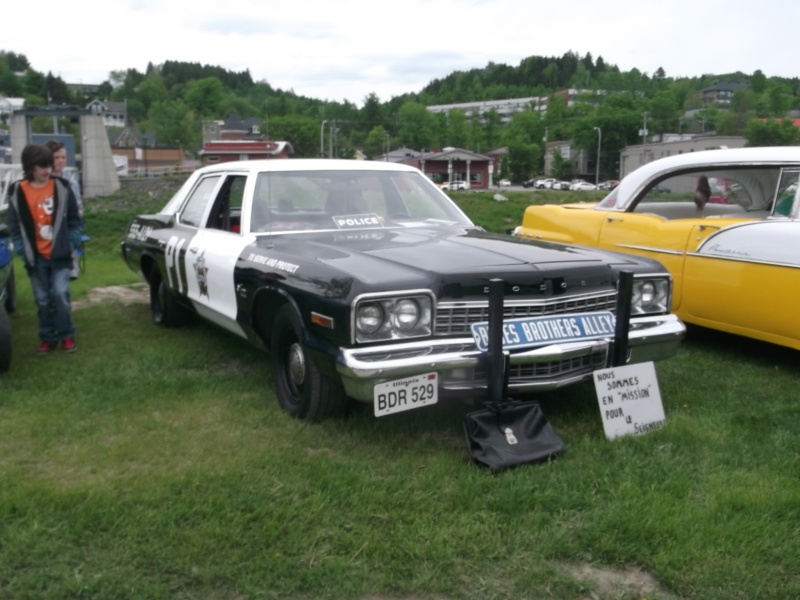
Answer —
325 200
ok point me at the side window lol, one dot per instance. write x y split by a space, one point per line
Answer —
235 199
786 192
226 211
196 204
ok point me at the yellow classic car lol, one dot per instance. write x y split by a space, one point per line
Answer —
733 252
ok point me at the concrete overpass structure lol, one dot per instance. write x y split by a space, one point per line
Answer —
98 173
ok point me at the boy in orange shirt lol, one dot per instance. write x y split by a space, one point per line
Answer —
45 227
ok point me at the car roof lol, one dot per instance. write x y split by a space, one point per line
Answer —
305 164
726 157
282 165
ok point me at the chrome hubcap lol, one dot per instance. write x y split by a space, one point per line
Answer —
297 364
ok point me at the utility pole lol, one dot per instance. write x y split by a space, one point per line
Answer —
321 139
644 140
597 164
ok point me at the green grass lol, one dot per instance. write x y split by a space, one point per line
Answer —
501 216
156 463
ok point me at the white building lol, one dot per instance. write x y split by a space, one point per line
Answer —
507 108
114 114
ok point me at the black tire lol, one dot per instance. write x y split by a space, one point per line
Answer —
11 293
5 341
164 307
303 391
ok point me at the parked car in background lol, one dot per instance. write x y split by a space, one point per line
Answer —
608 185
582 186
544 184
560 185
530 182
455 185
735 264
8 297
365 282
504 183
575 182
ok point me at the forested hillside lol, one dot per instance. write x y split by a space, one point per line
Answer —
174 98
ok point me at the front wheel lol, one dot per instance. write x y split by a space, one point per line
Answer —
303 391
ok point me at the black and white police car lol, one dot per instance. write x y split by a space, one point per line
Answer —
366 282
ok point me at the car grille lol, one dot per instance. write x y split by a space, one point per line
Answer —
522 374
455 318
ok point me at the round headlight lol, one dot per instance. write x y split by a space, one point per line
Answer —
406 314
648 293
369 318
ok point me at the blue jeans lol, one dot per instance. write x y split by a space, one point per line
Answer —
51 293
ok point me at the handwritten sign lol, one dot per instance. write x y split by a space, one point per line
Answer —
629 399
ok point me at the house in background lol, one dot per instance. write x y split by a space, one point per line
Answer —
721 94
233 128
239 139
114 114
398 155
230 150
633 157
136 153
455 164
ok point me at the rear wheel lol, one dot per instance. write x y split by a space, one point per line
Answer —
164 306
5 341
303 391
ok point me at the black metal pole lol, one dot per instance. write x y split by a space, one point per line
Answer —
624 296
496 372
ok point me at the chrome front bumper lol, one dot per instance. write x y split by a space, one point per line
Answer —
462 367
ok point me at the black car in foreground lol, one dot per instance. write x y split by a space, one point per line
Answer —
366 282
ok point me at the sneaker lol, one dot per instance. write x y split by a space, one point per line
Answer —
46 347
69 345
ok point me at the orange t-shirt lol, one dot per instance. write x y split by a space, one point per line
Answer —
40 203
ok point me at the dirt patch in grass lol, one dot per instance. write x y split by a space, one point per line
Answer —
127 295
626 583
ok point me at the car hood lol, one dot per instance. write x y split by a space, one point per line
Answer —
408 257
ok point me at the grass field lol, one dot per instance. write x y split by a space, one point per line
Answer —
156 464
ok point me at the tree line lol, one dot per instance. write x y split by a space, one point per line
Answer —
173 99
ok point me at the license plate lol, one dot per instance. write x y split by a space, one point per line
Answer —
542 331
405 394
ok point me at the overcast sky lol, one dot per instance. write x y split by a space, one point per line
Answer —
346 49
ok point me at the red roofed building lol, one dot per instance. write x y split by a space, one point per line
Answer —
229 150
239 139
